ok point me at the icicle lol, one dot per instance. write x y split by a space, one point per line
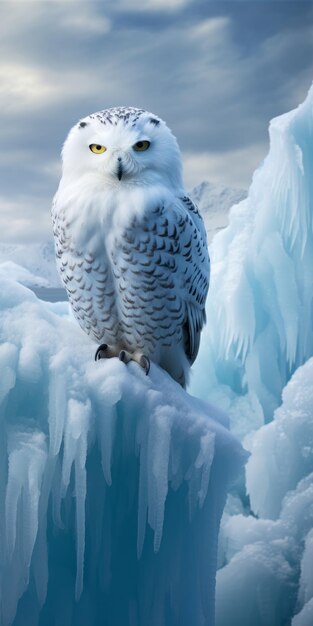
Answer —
158 462
142 441
8 359
58 390
107 426
75 449
204 461
27 456
80 493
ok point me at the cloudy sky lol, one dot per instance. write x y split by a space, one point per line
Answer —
217 72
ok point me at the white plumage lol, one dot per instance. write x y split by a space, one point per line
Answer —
131 246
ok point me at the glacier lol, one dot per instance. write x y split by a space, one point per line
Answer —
256 363
112 483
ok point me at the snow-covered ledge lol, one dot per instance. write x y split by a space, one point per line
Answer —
112 483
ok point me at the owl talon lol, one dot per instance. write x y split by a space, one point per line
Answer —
144 362
124 356
101 352
141 359
105 352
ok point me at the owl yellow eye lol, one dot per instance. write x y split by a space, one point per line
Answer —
140 146
96 148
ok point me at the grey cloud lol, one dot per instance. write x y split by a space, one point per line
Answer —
215 72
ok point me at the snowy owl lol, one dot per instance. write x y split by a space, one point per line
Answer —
130 244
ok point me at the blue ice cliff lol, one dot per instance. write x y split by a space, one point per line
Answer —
258 349
112 483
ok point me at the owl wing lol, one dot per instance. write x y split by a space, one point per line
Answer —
162 266
197 277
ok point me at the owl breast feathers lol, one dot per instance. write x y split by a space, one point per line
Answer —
131 246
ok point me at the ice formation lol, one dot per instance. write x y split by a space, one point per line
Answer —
267 577
260 304
256 362
112 483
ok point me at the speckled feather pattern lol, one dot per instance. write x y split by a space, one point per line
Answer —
127 115
144 284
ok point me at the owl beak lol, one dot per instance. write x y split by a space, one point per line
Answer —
119 168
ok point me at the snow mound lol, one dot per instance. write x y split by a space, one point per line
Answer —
282 451
264 555
112 483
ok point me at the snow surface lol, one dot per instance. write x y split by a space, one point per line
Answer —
256 363
112 484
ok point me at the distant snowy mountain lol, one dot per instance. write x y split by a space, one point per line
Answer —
214 202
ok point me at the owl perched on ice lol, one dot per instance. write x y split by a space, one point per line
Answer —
131 246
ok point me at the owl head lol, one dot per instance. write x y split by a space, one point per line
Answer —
122 146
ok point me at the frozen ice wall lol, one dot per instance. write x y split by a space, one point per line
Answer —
260 305
256 362
112 484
